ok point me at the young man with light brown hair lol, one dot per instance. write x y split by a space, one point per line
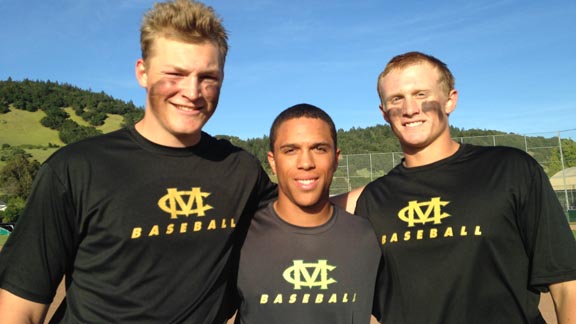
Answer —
468 234
144 222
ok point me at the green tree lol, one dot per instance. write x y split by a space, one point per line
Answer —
17 175
4 107
8 152
14 208
568 154
71 132
131 118
54 118
95 117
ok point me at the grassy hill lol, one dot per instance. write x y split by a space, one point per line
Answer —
23 129
112 123
20 127
33 117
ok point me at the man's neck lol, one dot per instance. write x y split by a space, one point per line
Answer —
302 216
155 133
429 154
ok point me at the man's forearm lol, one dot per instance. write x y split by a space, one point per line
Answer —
17 310
564 296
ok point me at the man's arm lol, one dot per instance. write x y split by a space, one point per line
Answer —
564 296
17 310
347 201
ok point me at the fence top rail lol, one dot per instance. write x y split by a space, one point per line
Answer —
520 135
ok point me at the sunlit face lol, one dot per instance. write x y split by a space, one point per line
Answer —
416 106
182 82
304 160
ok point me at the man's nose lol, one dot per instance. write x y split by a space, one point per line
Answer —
411 107
306 160
191 88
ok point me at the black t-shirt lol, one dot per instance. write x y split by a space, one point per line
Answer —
292 274
143 233
473 238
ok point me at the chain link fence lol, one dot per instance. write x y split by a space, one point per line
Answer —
555 151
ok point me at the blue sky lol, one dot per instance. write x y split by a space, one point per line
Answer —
514 60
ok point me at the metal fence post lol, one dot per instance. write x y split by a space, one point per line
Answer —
563 175
348 173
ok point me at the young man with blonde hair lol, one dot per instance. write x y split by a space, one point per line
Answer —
468 234
142 222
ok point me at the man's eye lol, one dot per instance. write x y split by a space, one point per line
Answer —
321 148
209 78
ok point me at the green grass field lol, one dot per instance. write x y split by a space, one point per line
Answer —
21 127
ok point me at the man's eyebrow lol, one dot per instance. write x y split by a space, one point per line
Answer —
322 144
394 95
172 66
315 144
184 69
288 145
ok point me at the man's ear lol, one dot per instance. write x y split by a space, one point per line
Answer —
450 105
271 161
384 113
141 74
337 158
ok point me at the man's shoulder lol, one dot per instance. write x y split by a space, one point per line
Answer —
89 146
499 155
215 148
351 219
495 150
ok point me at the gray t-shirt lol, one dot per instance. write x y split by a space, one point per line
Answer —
291 274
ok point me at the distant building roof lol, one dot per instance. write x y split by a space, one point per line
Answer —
564 177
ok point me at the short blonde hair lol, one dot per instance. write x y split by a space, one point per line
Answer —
447 81
183 20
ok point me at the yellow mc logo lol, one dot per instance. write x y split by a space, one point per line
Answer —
432 213
175 204
299 274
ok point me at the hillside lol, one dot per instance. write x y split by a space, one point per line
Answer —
40 116
20 127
